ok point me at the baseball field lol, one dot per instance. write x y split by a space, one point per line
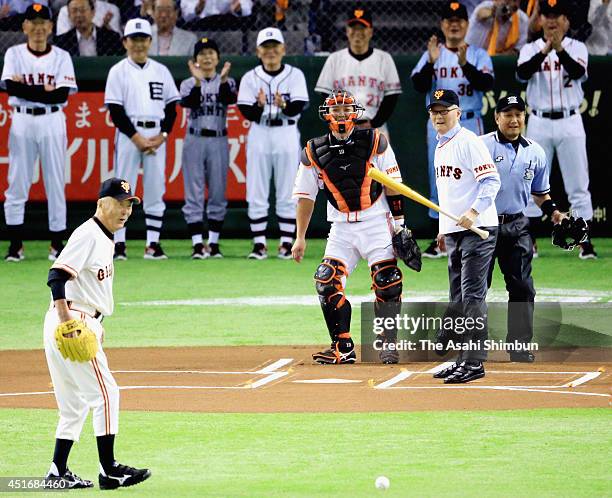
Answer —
220 396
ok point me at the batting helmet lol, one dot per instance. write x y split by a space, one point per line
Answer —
340 97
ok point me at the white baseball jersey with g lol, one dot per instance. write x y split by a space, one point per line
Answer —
460 163
360 234
272 151
369 80
552 90
88 258
144 92
42 136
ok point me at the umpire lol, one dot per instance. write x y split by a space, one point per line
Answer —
521 164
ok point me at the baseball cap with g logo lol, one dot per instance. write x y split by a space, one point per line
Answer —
119 189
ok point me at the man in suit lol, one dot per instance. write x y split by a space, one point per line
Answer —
167 38
86 39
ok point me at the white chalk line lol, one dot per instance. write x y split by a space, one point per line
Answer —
506 388
404 374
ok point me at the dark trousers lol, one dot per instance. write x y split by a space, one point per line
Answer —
514 252
469 259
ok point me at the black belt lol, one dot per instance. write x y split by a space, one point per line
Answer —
96 315
468 115
38 111
507 218
208 133
147 124
278 122
555 114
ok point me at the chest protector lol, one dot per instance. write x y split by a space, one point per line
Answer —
344 165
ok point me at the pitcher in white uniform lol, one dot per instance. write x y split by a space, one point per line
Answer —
81 282
38 78
554 68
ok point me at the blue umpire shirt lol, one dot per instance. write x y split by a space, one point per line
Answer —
522 171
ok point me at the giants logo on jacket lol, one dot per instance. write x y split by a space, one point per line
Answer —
448 172
38 79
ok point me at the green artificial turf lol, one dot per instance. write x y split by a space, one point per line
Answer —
25 297
562 452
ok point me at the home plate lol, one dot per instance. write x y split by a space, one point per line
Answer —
327 381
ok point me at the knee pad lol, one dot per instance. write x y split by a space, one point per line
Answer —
387 281
328 278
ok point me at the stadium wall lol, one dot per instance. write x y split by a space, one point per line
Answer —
90 140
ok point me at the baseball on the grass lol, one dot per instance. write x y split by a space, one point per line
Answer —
382 482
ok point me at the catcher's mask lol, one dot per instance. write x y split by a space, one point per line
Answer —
340 98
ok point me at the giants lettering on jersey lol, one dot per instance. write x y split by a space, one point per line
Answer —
209 107
105 272
38 79
364 81
447 171
546 66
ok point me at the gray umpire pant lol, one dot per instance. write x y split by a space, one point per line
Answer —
469 259
205 164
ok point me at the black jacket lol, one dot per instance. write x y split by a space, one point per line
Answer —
107 42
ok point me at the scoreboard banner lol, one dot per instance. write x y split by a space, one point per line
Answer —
90 153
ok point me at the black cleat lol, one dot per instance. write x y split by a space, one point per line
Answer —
442 374
66 481
433 251
14 254
122 476
259 252
333 356
154 251
55 251
215 250
587 251
199 252
466 372
120 251
522 357
284 251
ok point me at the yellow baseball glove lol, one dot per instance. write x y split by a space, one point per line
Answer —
76 341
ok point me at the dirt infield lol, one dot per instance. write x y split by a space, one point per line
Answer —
284 379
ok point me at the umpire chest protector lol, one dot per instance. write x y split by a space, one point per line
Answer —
343 165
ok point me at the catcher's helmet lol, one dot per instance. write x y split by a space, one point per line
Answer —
340 97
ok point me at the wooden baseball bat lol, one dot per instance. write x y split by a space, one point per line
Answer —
386 180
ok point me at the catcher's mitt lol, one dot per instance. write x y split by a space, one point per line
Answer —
405 247
570 232
76 341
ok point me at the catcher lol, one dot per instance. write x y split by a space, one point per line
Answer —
81 282
367 222
521 164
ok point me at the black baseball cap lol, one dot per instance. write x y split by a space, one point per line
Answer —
454 9
555 7
360 15
38 11
447 98
118 189
203 43
511 101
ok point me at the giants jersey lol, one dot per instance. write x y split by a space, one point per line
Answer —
54 68
144 91
460 163
310 180
88 258
551 89
290 83
369 80
211 114
449 75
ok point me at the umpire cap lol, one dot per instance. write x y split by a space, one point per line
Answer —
117 189
203 43
38 11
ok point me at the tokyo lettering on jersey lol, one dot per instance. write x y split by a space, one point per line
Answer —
309 181
144 91
461 161
88 258
449 75
290 83
53 68
211 114
551 88
369 80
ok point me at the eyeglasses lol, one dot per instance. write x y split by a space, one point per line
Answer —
443 112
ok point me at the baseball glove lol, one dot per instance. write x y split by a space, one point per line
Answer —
76 341
405 247
570 232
